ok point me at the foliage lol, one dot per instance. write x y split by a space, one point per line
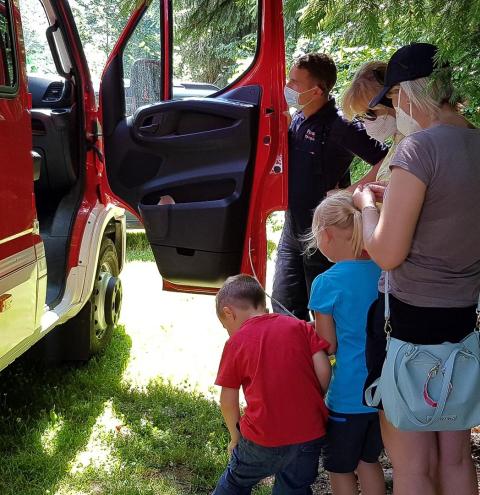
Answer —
214 39
452 26
138 248
99 25
34 24
223 41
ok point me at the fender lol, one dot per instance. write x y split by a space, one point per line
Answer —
81 278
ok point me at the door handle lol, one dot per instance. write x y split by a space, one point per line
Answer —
149 129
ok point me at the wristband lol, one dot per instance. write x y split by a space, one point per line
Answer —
370 207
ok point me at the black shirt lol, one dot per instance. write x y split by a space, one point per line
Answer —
321 149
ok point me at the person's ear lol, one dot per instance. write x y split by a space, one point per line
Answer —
318 91
229 313
328 234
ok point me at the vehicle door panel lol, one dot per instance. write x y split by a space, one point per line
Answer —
220 158
200 153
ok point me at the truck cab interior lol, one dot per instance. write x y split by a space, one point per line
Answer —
57 148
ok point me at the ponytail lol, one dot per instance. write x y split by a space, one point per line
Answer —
336 210
357 232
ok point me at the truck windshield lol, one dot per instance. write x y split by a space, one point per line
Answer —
34 25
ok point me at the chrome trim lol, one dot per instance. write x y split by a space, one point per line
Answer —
16 236
17 260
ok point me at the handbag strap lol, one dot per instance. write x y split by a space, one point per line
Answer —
477 326
388 328
372 394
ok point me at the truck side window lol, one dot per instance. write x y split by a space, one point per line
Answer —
8 69
141 61
210 51
213 45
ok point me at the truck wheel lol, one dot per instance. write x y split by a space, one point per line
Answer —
106 298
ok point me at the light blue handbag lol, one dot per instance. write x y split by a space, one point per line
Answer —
429 387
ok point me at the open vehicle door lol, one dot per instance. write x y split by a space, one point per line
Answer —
221 158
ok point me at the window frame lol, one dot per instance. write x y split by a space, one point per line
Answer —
12 91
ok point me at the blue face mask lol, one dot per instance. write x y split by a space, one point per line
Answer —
292 97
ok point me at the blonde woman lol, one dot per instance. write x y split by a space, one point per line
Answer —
340 298
427 236
380 122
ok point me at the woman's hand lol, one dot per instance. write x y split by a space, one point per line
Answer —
363 196
378 188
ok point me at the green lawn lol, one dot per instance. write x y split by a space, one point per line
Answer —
81 430
141 419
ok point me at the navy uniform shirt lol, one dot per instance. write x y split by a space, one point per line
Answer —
321 149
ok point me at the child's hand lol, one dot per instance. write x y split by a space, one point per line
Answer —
233 443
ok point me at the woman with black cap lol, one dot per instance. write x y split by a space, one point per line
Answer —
427 236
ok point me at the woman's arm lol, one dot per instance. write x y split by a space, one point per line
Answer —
388 235
325 328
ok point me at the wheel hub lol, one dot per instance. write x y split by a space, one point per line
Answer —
108 302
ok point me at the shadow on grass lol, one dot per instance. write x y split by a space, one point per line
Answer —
171 435
47 415
164 441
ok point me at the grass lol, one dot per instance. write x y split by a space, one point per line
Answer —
83 430
141 419
138 248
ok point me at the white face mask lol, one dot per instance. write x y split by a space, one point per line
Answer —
406 124
381 128
292 97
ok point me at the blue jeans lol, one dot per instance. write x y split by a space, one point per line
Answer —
295 468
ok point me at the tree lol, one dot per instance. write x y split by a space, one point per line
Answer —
354 31
212 37
451 25
99 25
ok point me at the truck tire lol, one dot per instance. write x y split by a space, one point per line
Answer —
106 298
89 332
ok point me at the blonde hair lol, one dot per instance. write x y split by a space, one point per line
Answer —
428 94
337 210
364 86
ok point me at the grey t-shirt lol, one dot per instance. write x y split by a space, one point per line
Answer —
443 266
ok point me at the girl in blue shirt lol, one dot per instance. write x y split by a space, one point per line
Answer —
340 298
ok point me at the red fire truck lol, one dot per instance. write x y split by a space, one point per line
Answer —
69 169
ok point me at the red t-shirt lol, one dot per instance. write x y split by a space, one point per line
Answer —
271 358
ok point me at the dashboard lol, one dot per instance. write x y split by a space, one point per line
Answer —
50 92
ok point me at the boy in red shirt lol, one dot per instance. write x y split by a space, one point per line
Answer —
283 368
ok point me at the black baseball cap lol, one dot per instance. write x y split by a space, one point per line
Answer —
407 64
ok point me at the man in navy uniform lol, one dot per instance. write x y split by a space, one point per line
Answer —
321 147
